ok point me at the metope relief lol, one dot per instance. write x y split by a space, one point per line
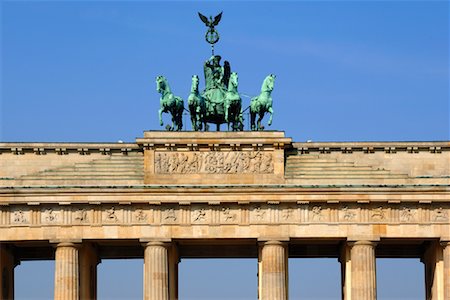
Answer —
259 214
169 215
228 215
49 216
80 215
110 215
200 214
140 216
236 162
20 217
348 214
440 215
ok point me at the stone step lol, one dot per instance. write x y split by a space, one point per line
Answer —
319 163
330 167
322 160
362 172
346 176
87 173
90 177
94 169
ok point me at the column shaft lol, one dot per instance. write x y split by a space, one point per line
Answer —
434 272
273 270
156 271
346 272
66 272
446 257
6 272
88 272
363 272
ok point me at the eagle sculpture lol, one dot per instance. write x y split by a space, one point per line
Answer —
211 22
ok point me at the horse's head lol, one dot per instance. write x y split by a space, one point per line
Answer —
268 83
195 82
234 81
161 84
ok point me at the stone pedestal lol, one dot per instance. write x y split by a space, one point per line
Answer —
273 271
88 271
363 272
6 272
66 272
156 271
246 157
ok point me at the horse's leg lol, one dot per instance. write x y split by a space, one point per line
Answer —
270 110
261 116
252 120
160 111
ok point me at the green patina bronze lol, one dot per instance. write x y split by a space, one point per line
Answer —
220 101
169 103
263 103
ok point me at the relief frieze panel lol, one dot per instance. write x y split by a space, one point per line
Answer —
232 162
231 214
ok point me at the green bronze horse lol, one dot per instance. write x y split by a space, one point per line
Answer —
169 103
261 104
233 104
196 104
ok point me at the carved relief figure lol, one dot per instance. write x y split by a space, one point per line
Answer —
140 215
407 214
378 214
19 217
200 215
259 213
348 214
111 214
317 213
440 215
81 215
50 215
287 213
170 214
228 215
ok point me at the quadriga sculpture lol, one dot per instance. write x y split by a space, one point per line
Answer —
261 104
169 103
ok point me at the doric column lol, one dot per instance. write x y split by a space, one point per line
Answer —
346 272
434 271
156 271
66 272
273 271
446 257
88 271
6 272
174 259
363 273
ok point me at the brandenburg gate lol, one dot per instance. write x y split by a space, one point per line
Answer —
172 195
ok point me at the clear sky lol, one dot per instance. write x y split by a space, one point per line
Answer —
346 71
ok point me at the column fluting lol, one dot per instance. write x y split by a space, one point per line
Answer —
66 272
156 271
363 276
446 258
274 271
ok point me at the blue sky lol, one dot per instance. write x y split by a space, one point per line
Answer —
346 71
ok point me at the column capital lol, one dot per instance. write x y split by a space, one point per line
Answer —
362 243
445 243
68 244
